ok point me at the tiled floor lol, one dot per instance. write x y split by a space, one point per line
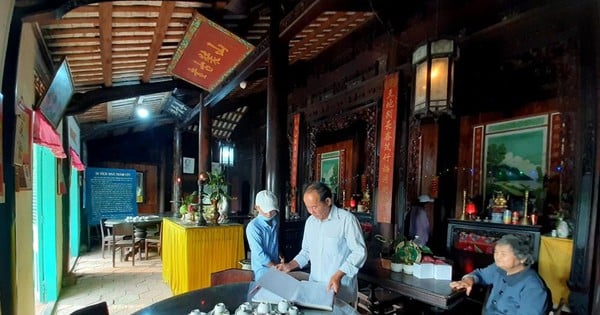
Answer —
125 288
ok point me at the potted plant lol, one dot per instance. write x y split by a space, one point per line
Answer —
409 253
397 262
388 257
404 253
216 193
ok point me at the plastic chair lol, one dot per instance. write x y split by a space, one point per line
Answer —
233 275
95 309
128 240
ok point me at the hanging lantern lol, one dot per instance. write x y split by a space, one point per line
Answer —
226 153
434 78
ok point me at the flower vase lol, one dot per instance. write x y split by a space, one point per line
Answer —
223 210
396 267
207 213
408 269
214 220
562 228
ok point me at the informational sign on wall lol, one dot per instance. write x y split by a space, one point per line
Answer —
110 193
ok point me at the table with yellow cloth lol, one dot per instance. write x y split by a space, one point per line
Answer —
191 253
555 265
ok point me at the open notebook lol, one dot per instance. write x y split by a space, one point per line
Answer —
275 286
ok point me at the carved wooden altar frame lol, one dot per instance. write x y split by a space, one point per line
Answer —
367 114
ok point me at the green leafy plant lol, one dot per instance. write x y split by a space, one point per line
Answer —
216 186
402 250
407 252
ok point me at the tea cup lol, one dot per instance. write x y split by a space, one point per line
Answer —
219 309
246 306
262 308
293 310
283 306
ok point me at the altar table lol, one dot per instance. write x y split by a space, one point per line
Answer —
191 253
436 293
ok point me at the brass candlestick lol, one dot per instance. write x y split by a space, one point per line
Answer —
464 206
524 220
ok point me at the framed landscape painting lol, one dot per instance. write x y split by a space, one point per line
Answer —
515 155
330 170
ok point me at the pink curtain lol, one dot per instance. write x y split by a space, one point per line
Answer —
44 134
76 161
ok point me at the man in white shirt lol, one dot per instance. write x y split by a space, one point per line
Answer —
333 243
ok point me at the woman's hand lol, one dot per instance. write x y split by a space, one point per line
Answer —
465 283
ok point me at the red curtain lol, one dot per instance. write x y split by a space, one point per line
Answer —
76 161
44 134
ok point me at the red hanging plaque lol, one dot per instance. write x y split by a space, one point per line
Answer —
207 53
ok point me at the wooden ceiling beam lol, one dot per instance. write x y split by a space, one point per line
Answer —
99 130
105 16
159 34
83 101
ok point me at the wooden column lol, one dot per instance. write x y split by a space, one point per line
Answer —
585 236
277 157
7 209
204 137
176 170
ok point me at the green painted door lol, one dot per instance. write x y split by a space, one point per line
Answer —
74 214
44 224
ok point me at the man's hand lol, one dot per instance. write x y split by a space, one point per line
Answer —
335 282
287 267
465 283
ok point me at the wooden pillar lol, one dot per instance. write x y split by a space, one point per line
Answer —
176 171
277 157
585 237
204 137
65 168
7 208
162 180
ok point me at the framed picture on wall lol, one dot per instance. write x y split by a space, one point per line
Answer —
330 170
139 191
54 102
188 165
515 156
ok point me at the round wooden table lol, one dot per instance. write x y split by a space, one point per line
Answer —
232 295
141 225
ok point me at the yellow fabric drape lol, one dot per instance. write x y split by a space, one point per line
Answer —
555 265
191 253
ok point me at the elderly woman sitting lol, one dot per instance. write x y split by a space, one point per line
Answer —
516 288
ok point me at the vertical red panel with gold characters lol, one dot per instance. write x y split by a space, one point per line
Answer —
294 175
386 148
